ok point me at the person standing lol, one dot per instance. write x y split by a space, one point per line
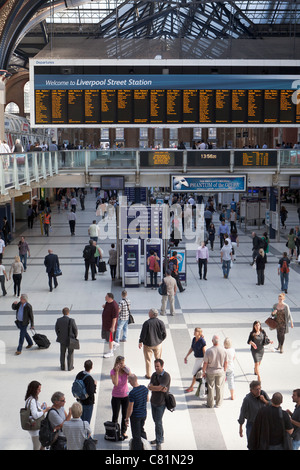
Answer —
211 235
159 385
47 223
223 229
82 200
30 216
73 203
24 252
171 286
36 410
226 258
2 247
258 339
295 419
270 425
76 429
214 369
89 260
119 375
291 243
57 417
16 270
109 323
252 403
202 257
24 316
283 271
113 261
198 347
282 314
152 262
230 366
66 328
261 260
256 245
91 387
51 262
174 268
72 221
137 412
3 276
124 310
6 231
152 335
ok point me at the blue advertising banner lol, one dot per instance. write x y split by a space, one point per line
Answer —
196 82
228 183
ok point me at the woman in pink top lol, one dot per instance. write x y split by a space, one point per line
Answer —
119 375
152 260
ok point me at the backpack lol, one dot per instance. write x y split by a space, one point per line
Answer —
162 290
87 252
284 268
173 265
170 402
261 243
112 431
47 435
79 390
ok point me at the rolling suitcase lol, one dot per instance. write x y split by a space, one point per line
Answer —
101 267
41 340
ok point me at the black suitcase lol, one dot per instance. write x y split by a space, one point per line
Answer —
101 267
41 340
112 431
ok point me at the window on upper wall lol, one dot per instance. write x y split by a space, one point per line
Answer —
173 138
12 108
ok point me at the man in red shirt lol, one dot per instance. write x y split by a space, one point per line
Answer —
109 323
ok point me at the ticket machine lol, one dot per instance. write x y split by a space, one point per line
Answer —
131 261
156 245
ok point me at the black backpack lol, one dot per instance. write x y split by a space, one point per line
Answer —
170 401
47 435
112 431
87 252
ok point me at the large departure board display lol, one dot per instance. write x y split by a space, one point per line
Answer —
160 99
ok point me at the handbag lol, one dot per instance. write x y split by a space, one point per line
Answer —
29 423
74 342
272 324
57 271
156 267
88 443
130 318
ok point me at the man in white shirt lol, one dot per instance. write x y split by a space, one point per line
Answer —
226 258
170 295
202 257
93 231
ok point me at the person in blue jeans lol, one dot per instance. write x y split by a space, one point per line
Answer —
226 258
124 310
24 316
283 271
137 412
159 386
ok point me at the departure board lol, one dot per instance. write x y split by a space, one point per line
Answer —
43 107
190 106
75 106
174 106
255 158
140 106
59 106
91 106
124 107
223 106
157 106
108 106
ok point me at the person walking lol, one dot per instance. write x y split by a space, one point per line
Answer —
66 328
222 230
283 271
109 323
198 347
123 318
226 258
211 235
91 387
234 240
295 419
256 245
30 216
93 231
6 231
37 410
159 385
24 252
24 317
152 335
16 271
291 243
282 315
47 222
214 369
230 366
261 260
258 339
73 203
89 260
119 375
202 257
252 403
174 268
270 427
76 429
2 246
113 261
171 289
51 262
3 276
137 412
72 221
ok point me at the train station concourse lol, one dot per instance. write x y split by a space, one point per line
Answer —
164 139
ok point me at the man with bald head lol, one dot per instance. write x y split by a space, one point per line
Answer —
214 369
52 264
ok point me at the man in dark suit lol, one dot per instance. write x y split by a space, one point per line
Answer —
65 329
89 260
24 316
52 264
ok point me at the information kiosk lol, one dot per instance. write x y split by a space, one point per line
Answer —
131 261
155 245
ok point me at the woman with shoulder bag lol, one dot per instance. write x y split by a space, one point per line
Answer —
37 411
152 263
281 312
258 339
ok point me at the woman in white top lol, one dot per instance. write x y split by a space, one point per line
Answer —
36 410
230 366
